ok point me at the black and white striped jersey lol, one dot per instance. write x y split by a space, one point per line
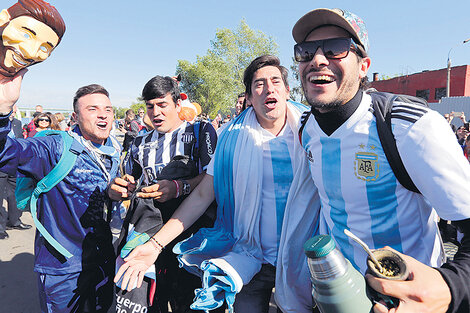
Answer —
151 152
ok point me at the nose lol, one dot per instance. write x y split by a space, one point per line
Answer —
319 60
103 114
31 50
269 86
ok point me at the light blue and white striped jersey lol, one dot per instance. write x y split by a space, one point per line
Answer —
277 179
359 191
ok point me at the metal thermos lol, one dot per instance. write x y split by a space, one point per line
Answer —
337 286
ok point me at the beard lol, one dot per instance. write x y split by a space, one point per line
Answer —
345 91
4 71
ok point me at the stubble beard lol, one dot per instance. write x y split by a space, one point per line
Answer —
342 94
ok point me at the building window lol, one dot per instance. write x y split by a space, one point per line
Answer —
423 94
440 93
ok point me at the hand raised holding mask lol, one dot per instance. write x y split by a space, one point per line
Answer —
30 30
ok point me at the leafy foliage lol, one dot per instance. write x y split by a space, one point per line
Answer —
296 91
215 79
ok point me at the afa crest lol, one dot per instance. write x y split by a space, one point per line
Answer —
366 166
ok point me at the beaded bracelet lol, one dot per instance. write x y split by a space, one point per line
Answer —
177 189
157 245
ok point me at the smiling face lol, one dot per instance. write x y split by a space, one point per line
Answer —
163 113
94 117
25 41
329 83
268 97
44 122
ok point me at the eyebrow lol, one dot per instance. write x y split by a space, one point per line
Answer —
267 78
34 33
30 30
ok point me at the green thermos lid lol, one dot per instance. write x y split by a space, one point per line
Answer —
319 246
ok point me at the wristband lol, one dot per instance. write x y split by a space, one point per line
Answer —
177 189
157 245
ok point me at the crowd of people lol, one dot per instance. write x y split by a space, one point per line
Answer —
213 215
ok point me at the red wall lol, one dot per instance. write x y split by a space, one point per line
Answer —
459 82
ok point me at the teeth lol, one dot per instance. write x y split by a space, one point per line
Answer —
19 61
321 77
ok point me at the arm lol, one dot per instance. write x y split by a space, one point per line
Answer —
166 190
142 257
10 91
435 163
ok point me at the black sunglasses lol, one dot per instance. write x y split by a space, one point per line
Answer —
44 120
334 48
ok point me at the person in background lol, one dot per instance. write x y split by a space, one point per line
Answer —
240 105
54 122
61 121
130 129
10 219
41 122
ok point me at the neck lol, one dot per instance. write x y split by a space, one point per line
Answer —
176 126
273 126
94 141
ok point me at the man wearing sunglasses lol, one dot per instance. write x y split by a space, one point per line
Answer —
357 186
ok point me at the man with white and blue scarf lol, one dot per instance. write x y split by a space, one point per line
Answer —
267 208
73 211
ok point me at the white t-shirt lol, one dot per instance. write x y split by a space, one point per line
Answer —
277 178
359 191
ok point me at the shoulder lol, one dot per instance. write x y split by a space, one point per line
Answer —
143 138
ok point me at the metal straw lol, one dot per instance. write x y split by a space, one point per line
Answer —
365 247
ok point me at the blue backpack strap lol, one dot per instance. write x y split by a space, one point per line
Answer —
196 134
195 150
60 170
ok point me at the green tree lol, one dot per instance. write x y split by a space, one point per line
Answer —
120 113
215 79
140 104
296 91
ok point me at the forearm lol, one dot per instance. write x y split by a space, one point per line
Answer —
193 182
189 211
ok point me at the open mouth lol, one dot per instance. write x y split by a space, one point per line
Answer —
270 103
321 79
19 60
102 125
157 121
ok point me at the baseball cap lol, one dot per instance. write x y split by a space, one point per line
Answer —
337 17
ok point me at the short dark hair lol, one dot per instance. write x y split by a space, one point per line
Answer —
241 95
159 87
260 62
41 11
88 90
364 84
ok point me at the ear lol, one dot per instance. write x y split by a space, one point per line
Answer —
4 17
178 106
74 116
364 66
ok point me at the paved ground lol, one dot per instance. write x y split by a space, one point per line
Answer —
18 287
